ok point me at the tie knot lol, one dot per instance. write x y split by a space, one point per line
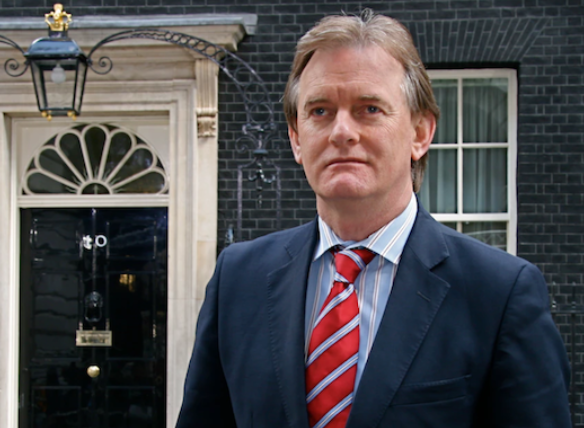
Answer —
349 263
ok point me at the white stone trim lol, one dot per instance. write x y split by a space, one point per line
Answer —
92 201
207 98
192 204
9 298
247 20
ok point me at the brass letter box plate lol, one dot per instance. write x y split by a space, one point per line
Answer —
93 338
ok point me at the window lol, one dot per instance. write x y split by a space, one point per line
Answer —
95 159
470 179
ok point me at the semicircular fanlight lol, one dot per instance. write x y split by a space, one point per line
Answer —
95 159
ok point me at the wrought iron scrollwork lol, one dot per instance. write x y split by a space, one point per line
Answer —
104 65
258 175
260 126
259 129
12 66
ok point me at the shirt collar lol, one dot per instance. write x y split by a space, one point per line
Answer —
388 242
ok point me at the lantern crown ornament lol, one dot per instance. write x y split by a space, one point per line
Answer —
58 20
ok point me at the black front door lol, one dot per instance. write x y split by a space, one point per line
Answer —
93 318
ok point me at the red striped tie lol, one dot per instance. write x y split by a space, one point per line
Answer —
331 365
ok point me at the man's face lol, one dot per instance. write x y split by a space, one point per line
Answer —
355 135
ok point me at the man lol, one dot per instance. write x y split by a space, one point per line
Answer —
373 315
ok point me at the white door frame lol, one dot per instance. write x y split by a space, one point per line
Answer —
192 210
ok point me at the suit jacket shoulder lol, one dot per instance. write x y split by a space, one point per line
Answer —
273 249
466 340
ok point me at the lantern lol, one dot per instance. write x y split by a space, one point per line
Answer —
58 67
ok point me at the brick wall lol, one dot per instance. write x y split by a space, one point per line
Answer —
542 39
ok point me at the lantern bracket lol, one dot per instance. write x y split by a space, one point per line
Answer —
12 66
259 129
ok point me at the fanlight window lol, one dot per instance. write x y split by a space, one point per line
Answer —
92 159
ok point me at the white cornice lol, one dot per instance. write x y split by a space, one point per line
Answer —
247 20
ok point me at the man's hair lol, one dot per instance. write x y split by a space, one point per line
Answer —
360 31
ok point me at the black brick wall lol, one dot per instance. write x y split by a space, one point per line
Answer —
542 39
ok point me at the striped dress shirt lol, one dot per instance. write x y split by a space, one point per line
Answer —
373 285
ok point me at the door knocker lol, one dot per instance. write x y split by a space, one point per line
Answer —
93 307
93 313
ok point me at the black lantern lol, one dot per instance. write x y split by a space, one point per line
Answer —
58 68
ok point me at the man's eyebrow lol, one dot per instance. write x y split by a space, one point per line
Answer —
367 97
316 100
323 99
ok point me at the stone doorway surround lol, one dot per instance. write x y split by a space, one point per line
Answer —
148 78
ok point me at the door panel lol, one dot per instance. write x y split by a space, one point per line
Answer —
93 270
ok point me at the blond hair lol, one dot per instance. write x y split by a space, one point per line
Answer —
360 31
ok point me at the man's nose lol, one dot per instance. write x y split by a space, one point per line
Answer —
345 129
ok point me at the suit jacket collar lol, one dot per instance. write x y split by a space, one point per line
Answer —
286 298
415 299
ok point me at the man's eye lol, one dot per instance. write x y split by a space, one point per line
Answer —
372 109
319 111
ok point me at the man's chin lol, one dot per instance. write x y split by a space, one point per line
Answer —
344 192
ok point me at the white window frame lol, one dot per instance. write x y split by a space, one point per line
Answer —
510 217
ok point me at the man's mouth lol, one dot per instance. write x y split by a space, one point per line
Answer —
341 161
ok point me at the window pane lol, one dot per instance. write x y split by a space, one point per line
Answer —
484 110
152 182
72 150
438 192
445 92
41 184
450 224
139 160
54 163
120 145
95 141
485 180
492 233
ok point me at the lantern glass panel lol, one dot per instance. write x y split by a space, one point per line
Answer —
39 85
56 79
60 85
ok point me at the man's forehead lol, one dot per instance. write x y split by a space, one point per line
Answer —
325 63
371 49
362 74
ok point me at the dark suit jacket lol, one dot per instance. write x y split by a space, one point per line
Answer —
466 340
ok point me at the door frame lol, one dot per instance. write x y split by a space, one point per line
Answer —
191 202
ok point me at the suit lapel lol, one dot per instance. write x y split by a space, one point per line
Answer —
415 299
286 291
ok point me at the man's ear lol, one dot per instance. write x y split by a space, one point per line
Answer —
295 144
424 128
